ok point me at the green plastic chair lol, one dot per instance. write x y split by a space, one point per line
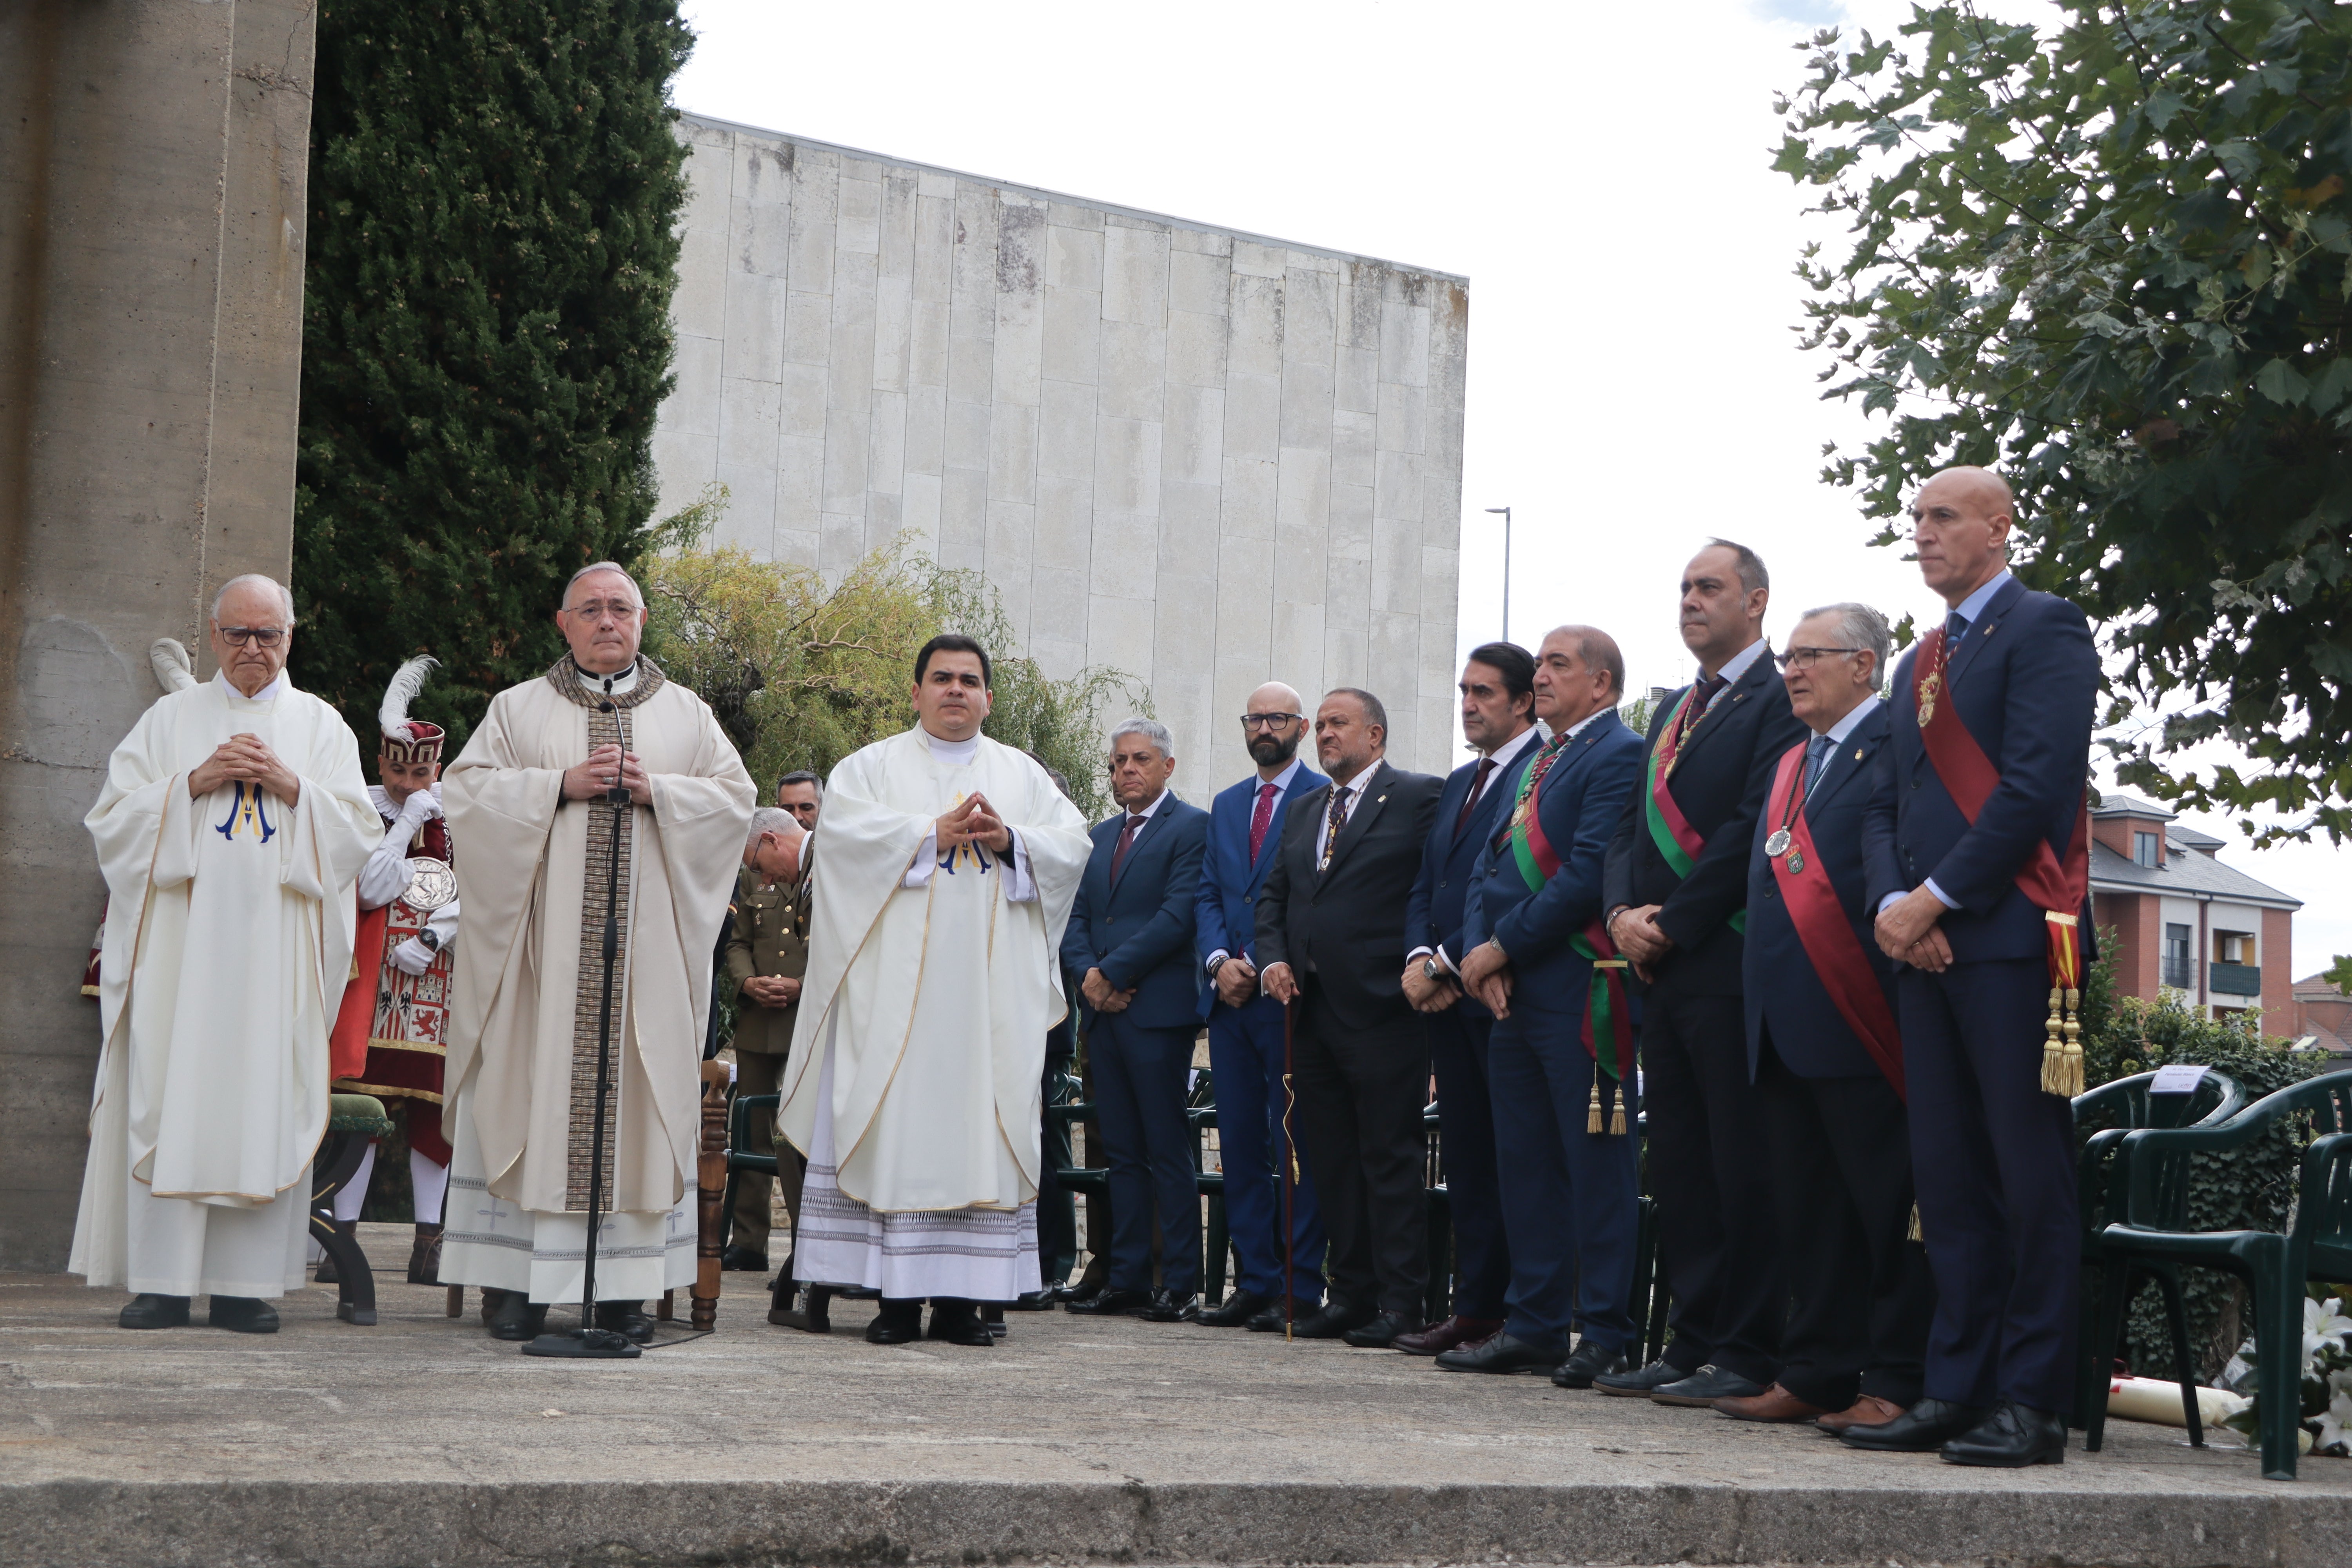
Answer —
2101 1196
2153 1173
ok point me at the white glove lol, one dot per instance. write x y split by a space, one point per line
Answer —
421 806
412 957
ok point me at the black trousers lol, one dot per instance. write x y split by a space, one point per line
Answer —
1361 1093
1482 1254
1712 1181
1861 1296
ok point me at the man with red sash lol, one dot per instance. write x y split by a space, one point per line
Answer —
389 1037
1976 845
1562 1039
1826 1056
1676 886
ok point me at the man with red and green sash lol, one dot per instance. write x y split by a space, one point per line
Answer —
1676 893
1562 1043
1825 1054
1976 843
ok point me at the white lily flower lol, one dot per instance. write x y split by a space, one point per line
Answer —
2324 1323
2335 1421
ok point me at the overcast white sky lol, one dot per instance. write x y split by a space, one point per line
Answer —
1634 384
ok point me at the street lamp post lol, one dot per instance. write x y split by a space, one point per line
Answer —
1505 513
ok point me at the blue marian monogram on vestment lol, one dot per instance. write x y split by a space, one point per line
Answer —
968 854
247 813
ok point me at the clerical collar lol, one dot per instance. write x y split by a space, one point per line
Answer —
623 680
635 685
267 694
955 754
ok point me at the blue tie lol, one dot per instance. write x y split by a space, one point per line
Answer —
1956 627
1817 754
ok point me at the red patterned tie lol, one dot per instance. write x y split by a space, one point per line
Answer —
1125 841
1263 817
1477 788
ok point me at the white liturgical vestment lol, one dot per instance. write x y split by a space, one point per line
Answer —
913 1082
227 951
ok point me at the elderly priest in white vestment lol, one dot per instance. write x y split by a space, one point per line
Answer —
232 823
527 798
946 866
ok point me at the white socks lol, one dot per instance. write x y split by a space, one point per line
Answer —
432 1185
352 1195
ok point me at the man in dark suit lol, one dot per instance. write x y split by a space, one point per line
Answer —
1569 1189
1245 1026
1330 937
1129 941
1992 1150
1826 1055
1676 884
1497 689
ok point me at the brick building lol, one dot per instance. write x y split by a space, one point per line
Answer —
2181 920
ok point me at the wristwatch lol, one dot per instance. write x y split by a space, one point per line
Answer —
431 944
1432 968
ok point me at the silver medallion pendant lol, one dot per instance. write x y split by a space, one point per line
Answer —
431 884
1796 863
1779 843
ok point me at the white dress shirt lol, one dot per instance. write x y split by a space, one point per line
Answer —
1505 755
1284 783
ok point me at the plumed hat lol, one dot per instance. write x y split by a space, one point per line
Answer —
407 739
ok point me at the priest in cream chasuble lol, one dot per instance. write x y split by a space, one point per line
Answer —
946 866
527 798
232 823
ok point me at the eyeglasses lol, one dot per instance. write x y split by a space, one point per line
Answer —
1803 657
597 609
1269 721
265 637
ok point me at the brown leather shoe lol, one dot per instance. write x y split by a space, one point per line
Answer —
1775 1403
1451 1334
1868 1411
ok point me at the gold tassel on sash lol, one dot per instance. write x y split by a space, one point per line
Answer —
1915 1233
2062 1049
1617 1114
1593 1122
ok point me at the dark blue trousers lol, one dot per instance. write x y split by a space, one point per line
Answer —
1482 1255
1570 1198
1139 1076
1993 1159
1245 1054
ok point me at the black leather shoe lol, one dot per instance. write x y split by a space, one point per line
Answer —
1588 1361
1499 1352
1922 1429
1237 1310
743 1261
1703 1387
897 1323
1034 1300
2014 1437
243 1315
859 1293
1335 1318
958 1323
627 1318
1638 1382
810 1310
1383 1332
1166 1307
148 1311
1108 1304
516 1316
1270 1319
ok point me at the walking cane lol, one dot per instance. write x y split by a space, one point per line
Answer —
1289 1184
589 1341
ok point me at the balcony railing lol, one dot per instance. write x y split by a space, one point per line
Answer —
2180 973
2234 979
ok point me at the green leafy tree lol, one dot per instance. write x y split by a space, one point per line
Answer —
2115 260
493 186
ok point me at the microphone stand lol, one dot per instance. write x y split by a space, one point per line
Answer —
589 1342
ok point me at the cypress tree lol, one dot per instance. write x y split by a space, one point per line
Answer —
494 187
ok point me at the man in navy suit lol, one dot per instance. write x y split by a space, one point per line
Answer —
1569 1191
1826 1055
1676 890
1497 689
1128 941
1245 1027
1993 1154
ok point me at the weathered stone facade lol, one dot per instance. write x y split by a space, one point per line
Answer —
1207 458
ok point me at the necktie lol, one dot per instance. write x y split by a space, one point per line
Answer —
1956 627
1477 788
1817 752
1261 818
1334 820
1126 842
1708 685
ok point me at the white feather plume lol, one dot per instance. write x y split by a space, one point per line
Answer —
406 682
174 671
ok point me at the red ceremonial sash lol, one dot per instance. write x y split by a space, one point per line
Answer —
1969 778
347 1043
1827 934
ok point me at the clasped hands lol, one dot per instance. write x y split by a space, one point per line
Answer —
772 990
1102 995
244 759
973 821
1635 930
1908 933
606 766
1427 995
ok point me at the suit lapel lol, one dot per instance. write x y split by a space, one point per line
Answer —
1361 812
1848 760
1986 623
1742 689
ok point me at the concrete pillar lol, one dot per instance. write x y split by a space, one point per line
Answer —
153 158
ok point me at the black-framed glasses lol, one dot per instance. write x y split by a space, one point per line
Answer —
265 636
1803 657
1269 721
